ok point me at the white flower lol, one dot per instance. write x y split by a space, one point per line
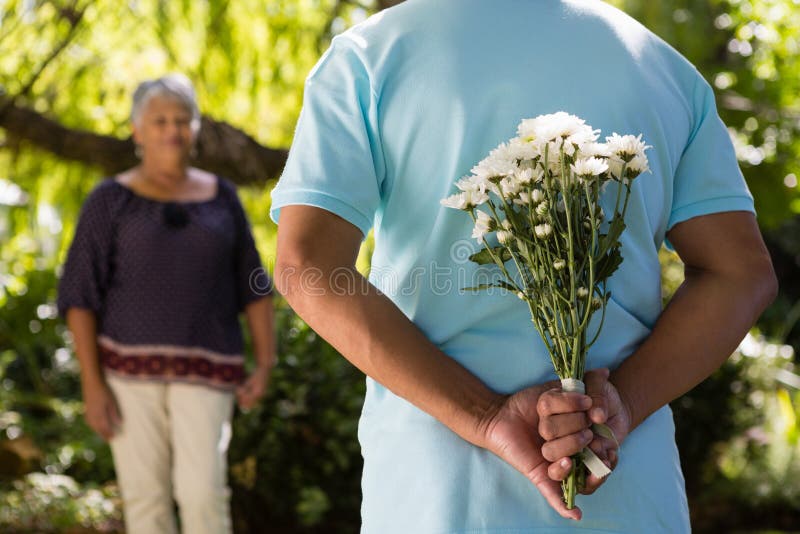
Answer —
637 166
457 201
626 147
589 167
615 166
559 264
473 183
524 176
510 186
483 225
592 150
506 224
546 128
542 230
537 195
596 303
466 200
583 292
504 236
583 137
500 162
542 209
524 198
522 150
520 295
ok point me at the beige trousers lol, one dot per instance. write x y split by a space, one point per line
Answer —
172 444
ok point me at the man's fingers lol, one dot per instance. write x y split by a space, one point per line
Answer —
559 470
596 382
556 426
555 402
551 491
566 446
592 483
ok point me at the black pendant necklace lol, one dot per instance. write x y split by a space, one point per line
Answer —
175 215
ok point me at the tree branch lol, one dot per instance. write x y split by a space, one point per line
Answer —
221 148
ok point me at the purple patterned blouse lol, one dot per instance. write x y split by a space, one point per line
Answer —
166 281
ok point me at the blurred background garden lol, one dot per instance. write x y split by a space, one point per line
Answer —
67 70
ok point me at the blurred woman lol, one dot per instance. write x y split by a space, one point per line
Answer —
162 263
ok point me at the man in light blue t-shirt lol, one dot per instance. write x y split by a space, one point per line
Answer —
397 110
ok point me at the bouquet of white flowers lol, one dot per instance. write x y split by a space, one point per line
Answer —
556 248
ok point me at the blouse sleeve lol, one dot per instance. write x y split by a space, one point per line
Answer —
252 280
86 273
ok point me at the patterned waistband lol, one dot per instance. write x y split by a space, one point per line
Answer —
172 363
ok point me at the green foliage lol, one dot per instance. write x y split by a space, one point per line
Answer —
748 51
42 503
738 435
295 460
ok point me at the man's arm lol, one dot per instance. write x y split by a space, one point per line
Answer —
729 281
315 271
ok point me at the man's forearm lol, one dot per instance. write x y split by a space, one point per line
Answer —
372 333
700 328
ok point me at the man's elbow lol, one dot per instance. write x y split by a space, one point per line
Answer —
291 276
759 276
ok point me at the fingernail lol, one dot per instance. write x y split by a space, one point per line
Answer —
565 462
586 402
597 412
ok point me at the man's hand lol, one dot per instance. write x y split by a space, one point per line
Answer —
512 434
254 388
563 418
100 410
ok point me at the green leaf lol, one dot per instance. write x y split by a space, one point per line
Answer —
484 256
502 284
608 265
611 239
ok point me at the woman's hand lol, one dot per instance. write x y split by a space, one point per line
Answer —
100 410
254 388
512 433
562 416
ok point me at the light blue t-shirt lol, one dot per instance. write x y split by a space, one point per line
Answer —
403 105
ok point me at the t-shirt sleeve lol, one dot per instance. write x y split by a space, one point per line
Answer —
87 270
708 178
252 280
335 162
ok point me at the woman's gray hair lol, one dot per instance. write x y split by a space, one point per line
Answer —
176 86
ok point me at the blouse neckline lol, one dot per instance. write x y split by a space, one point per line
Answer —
133 193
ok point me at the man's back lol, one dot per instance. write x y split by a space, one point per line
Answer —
414 97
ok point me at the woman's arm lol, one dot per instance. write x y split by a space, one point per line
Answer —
101 411
260 321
